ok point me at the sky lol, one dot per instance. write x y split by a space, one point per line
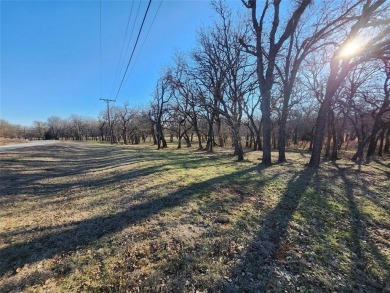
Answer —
50 53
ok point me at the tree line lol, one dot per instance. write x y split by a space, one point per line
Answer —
312 74
317 67
126 125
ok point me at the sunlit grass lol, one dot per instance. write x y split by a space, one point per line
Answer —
131 218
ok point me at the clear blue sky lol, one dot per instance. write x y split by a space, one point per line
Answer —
50 53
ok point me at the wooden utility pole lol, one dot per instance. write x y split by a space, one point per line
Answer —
109 120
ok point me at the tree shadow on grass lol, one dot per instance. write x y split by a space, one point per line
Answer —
383 162
362 279
301 152
381 166
195 266
56 161
255 269
80 234
15 181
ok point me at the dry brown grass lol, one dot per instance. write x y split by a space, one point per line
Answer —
7 141
100 218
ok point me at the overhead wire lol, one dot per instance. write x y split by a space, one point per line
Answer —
123 45
147 34
135 46
132 29
122 60
100 48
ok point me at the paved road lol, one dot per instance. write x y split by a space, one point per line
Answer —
27 144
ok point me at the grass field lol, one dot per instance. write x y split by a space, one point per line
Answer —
8 141
100 218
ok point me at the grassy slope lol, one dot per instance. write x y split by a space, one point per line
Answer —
81 217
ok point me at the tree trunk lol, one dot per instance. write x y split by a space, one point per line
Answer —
219 132
125 136
295 137
238 151
267 126
311 139
274 144
164 142
381 139
179 139
158 142
358 156
335 146
161 142
195 123
209 144
257 144
153 135
282 142
320 130
329 129
282 125
327 145
372 143
386 149
187 139
251 136
373 138
378 124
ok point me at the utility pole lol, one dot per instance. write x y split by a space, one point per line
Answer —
109 120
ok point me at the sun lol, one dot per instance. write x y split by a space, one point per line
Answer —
351 49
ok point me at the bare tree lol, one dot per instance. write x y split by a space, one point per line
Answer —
187 93
56 126
373 23
210 72
9 130
76 126
238 75
250 104
39 128
268 43
313 33
162 96
124 117
379 114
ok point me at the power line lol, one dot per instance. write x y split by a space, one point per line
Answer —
123 45
147 34
135 45
128 44
100 45
132 29
122 58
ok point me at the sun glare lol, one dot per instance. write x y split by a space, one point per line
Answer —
351 49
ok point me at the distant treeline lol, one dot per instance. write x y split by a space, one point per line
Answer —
317 76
